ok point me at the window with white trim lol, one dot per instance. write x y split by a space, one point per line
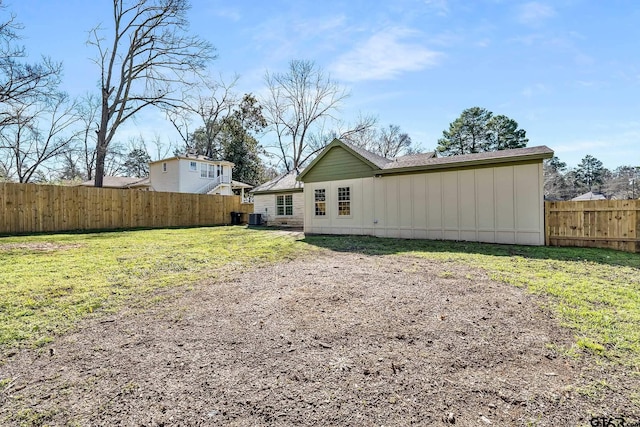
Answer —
284 205
193 166
320 201
212 171
344 201
203 170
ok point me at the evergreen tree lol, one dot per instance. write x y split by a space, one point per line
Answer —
478 130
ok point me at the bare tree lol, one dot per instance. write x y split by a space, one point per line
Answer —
21 82
149 60
41 133
88 108
213 102
391 142
299 102
361 133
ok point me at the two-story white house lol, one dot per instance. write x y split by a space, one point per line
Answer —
192 174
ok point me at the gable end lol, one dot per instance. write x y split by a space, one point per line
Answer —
337 163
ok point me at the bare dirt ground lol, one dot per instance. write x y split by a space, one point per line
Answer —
337 339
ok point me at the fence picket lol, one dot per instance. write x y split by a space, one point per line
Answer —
32 208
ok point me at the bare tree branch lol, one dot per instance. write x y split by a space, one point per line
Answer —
298 102
149 61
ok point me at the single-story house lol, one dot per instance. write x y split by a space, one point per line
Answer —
280 201
589 196
486 197
120 182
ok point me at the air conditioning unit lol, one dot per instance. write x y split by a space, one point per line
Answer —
255 219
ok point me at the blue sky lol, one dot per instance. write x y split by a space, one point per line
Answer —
567 71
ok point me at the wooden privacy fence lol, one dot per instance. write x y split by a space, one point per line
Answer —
595 223
30 208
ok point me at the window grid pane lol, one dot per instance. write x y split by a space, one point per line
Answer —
320 202
284 205
344 201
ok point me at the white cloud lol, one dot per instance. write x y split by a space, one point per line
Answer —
535 89
533 13
441 6
385 55
229 13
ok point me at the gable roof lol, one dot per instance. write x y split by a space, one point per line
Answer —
474 159
370 159
410 160
589 196
373 158
118 182
283 183
428 161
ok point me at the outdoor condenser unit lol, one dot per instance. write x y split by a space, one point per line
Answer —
255 219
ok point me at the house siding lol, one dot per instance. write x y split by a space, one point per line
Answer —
168 181
502 204
265 204
179 178
338 164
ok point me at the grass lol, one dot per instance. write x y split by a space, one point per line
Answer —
596 292
49 282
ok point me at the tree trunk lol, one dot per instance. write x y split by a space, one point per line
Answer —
101 154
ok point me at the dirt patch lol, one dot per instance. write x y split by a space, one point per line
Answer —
337 339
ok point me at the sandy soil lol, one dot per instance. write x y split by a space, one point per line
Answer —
339 339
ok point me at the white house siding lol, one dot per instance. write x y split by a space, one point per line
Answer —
265 204
179 178
495 204
164 181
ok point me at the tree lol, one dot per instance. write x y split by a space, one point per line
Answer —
239 144
555 184
624 183
391 142
41 133
299 102
21 82
148 61
477 130
137 163
88 108
590 172
211 106
503 134
233 139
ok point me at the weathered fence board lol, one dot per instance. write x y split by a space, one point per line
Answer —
31 208
594 223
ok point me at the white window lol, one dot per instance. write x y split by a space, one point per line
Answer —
164 167
284 205
344 201
320 199
212 171
203 170
193 166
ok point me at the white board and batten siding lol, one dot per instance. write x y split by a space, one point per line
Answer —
501 204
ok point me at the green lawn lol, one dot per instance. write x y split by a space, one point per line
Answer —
49 282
